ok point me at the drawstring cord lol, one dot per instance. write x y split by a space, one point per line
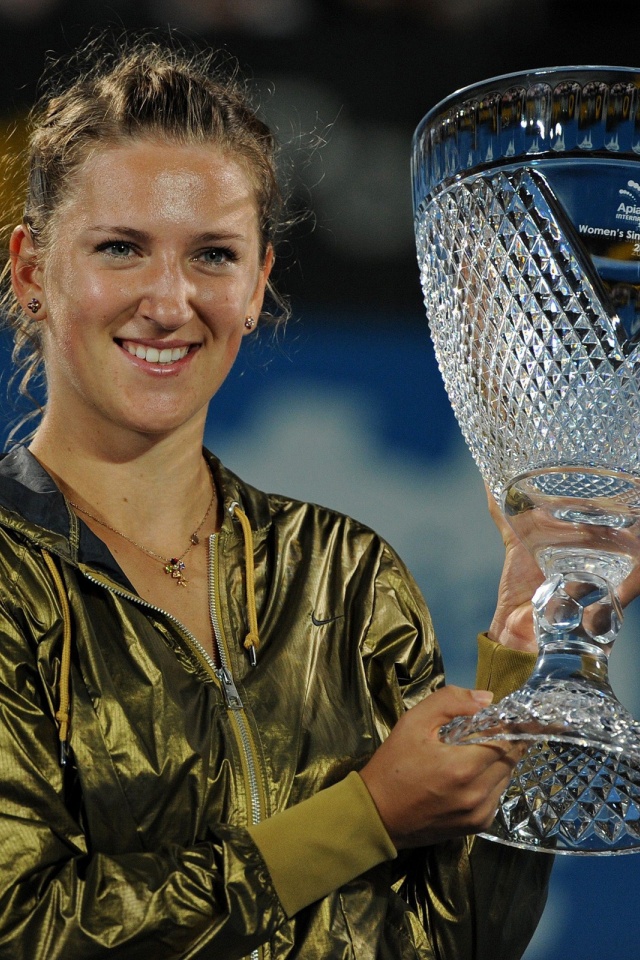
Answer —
252 640
62 713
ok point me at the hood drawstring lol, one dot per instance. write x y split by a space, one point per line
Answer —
62 713
252 640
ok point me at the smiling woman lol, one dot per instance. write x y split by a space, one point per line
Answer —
214 770
153 265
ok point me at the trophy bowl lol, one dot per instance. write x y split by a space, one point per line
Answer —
527 219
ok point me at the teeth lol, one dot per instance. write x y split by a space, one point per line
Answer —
153 355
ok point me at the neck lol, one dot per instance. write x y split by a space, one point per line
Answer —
134 483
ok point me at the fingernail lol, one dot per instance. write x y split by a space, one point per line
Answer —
483 697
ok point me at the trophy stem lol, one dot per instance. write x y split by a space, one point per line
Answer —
572 662
577 616
577 790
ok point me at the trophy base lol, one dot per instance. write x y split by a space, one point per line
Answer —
577 789
571 799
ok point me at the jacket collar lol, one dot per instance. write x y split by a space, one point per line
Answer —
232 490
28 490
32 504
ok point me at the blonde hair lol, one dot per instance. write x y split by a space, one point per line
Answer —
129 90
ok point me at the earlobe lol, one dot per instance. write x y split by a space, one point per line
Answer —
255 307
25 270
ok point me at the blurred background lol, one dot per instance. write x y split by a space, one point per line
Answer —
346 408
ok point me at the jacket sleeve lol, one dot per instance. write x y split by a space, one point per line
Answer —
477 900
58 899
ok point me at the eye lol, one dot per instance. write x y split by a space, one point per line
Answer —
216 256
120 249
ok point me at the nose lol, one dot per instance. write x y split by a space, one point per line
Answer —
167 295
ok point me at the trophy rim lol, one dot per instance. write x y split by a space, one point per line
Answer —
535 73
466 133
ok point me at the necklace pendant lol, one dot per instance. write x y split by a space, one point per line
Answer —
174 568
194 538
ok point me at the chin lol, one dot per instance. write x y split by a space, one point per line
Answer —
162 426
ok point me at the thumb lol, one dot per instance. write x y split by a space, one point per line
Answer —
451 701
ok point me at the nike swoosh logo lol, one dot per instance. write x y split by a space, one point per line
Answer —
321 623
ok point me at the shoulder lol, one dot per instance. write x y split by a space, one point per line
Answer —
286 513
323 537
283 517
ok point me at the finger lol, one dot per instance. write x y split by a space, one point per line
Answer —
496 514
508 752
488 764
449 702
629 589
492 503
508 748
498 772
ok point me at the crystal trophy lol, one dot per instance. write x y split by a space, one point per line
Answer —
527 219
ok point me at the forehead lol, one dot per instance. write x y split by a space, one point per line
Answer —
163 180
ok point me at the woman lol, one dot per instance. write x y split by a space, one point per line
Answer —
198 681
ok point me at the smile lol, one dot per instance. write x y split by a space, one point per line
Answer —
153 355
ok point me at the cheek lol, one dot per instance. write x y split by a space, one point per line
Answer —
231 348
62 346
224 310
227 352
77 308
75 312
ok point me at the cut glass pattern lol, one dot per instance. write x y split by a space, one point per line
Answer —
566 800
532 361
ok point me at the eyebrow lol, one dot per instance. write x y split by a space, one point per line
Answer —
141 235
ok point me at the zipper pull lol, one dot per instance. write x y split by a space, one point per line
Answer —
231 695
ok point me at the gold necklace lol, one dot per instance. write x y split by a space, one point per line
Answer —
174 565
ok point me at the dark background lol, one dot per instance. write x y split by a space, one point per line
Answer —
346 82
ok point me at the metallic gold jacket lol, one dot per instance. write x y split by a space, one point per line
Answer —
211 812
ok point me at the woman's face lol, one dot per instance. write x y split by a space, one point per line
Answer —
153 268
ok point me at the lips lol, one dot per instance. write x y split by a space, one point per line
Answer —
155 354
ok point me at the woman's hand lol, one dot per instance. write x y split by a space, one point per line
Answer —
427 791
629 589
512 623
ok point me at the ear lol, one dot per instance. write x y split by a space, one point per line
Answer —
255 304
26 272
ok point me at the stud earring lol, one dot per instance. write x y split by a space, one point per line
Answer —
249 323
34 305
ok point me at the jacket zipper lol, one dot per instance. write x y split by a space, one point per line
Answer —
222 674
232 697
229 688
